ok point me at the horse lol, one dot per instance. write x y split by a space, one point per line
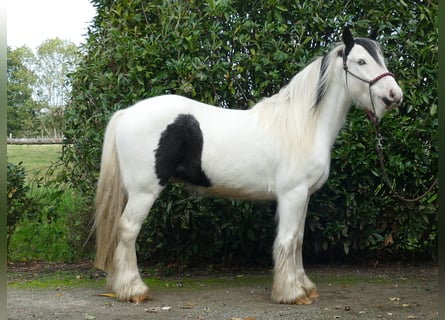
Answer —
278 149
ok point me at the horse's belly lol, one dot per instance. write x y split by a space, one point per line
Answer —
239 193
241 170
238 180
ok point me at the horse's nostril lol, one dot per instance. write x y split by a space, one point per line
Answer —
394 96
393 101
387 101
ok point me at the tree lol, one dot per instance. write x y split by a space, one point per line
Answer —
39 87
233 53
56 59
21 81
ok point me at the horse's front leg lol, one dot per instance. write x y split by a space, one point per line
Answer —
290 284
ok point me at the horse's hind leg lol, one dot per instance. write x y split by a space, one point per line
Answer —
290 284
125 279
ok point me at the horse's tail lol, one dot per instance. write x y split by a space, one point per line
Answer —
111 199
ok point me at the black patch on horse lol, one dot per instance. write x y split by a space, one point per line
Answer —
179 152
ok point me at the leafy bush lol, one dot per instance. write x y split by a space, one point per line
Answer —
42 218
17 199
49 226
356 213
233 53
185 227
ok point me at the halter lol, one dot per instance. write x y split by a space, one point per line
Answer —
369 82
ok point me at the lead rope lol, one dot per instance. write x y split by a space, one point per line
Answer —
379 147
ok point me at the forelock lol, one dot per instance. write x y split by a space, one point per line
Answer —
372 47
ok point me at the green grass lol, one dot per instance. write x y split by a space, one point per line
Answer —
80 279
36 159
50 211
66 279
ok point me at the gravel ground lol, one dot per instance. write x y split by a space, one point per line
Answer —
346 292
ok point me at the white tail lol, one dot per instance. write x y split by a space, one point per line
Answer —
111 199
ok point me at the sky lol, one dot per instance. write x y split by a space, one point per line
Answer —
30 22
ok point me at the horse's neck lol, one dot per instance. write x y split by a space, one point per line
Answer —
332 114
291 117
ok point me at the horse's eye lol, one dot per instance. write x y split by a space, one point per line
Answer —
361 62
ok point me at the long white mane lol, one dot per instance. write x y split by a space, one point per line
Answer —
292 112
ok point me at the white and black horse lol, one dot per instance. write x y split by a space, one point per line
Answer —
279 149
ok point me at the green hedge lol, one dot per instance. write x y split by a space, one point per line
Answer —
231 54
17 199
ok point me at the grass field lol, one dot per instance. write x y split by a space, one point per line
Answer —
42 230
36 158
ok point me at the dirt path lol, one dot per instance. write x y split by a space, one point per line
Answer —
391 292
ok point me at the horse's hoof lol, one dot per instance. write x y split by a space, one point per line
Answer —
313 294
141 298
303 300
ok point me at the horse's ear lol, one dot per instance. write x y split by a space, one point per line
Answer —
348 40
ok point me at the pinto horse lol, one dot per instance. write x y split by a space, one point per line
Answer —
278 149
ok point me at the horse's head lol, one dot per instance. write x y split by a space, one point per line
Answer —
366 76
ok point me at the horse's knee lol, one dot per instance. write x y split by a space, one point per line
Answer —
128 231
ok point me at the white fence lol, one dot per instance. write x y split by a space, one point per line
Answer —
34 140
